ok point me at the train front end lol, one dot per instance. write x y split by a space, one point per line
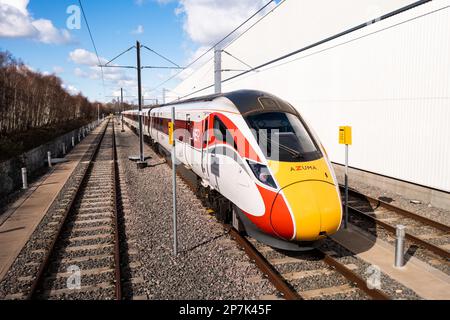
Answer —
301 193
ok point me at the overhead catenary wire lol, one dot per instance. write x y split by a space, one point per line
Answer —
161 56
215 45
106 65
119 55
318 43
93 43
237 59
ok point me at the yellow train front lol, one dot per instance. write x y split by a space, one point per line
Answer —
294 178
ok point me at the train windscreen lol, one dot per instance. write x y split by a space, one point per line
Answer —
283 137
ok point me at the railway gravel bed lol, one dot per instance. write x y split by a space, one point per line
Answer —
412 249
97 279
314 280
424 209
20 277
209 266
391 287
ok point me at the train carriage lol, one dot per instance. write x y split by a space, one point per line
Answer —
254 150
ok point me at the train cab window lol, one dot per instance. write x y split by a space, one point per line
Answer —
283 137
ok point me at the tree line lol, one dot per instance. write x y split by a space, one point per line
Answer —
30 99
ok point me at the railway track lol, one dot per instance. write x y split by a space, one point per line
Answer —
345 284
84 259
426 233
307 275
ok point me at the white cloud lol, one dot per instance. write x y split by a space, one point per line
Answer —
47 33
70 89
116 76
58 69
80 73
207 21
30 68
21 5
16 22
85 57
138 30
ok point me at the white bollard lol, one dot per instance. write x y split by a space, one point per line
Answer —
64 149
400 246
49 159
24 179
73 142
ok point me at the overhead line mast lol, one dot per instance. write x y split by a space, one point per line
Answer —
141 160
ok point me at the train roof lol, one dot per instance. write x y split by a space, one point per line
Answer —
246 101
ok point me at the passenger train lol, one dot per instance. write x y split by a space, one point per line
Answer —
257 159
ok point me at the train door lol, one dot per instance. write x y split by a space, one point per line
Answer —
205 142
189 141
151 130
214 154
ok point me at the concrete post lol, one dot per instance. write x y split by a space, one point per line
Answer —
24 179
64 149
73 142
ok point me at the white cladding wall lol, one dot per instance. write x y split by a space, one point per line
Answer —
390 80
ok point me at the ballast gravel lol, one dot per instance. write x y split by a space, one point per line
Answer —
209 264
425 209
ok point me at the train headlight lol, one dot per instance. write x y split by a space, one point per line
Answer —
262 173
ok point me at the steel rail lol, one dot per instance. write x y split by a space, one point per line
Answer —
438 250
353 277
115 178
266 268
401 211
281 284
391 229
46 262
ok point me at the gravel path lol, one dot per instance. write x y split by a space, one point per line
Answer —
209 265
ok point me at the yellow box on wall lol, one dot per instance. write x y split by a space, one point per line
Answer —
345 135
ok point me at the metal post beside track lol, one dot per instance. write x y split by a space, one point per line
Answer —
400 246
49 159
121 105
141 164
218 70
345 137
174 186
24 179
346 187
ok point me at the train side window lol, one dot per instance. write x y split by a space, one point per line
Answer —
221 132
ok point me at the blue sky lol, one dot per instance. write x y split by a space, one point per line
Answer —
172 28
